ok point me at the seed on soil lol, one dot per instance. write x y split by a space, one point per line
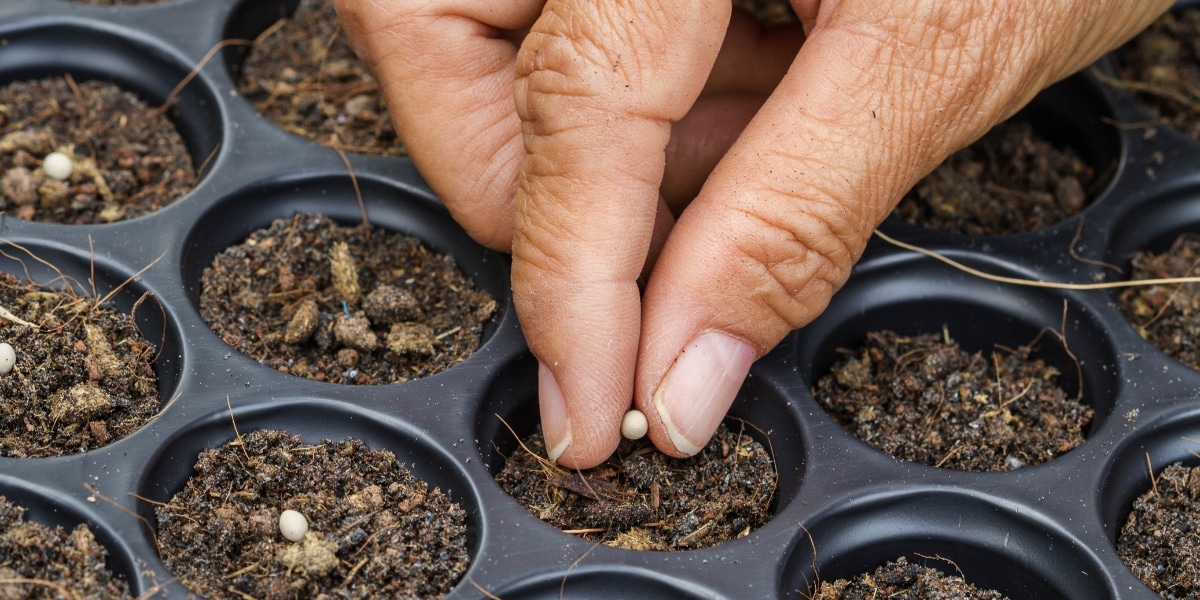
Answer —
58 166
634 425
293 525
8 358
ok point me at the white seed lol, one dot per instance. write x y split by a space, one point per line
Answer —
634 425
58 166
292 525
8 358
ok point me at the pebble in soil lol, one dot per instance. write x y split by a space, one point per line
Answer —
320 300
1161 66
901 579
1168 316
641 499
375 531
39 562
129 160
1159 541
1010 181
83 376
921 398
307 79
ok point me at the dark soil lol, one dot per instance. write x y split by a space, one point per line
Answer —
1159 541
316 299
900 579
923 399
306 79
129 158
39 562
374 530
1161 66
1010 181
83 376
774 12
642 499
1168 316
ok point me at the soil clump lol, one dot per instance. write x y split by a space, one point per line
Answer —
641 499
307 79
901 579
1161 67
923 399
83 376
128 158
375 531
39 562
1168 316
1010 181
1158 541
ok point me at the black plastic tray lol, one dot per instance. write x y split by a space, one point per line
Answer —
1041 532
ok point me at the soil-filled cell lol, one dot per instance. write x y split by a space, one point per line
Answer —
610 584
1161 67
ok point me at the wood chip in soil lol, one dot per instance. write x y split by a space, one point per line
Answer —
1161 66
1168 316
319 300
923 399
1159 540
375 531
129 160
39 562
901 579
307 79
1010 181
641 499
84 376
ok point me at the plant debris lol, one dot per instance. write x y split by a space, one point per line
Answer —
642 499
39 562
1161 67
319 300
901 579
375 531
1010 181
1168 316
307 79
923 399
129 160
83 376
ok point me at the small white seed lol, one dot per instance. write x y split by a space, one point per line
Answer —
58 166
8 358
293 525
634 425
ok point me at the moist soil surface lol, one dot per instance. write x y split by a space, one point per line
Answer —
306 79
901 579
39 562
1168 316
129 160
83 376
375 531
641 499
1159 541
1161 67
1010 181
324 301
923 399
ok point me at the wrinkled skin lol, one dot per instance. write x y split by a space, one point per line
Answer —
574 132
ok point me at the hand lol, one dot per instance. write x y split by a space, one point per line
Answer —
804 139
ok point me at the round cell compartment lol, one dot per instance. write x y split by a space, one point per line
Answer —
96 51
610 584
912 295
994 545
513 398
248 20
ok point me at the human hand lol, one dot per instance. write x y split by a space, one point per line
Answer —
621 107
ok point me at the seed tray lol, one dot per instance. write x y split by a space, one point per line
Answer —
841 507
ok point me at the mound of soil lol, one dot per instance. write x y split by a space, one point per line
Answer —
1161 66
328 302
83 376
899 579
1010 181
39 562
923 399
129 160
641 499
307 79
1159 541
1168 316
375 531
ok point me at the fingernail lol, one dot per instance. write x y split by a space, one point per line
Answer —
556 426
700 387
